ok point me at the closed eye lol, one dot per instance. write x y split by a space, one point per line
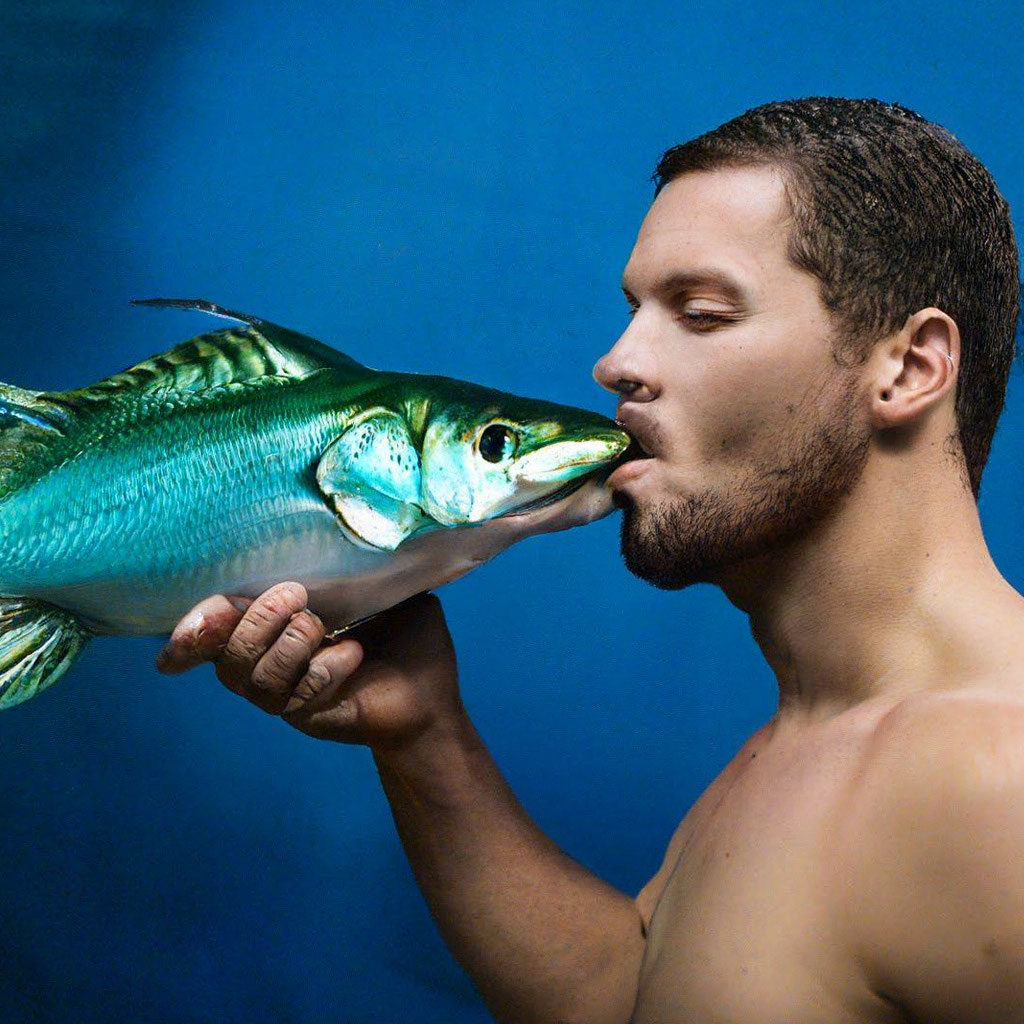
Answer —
703 319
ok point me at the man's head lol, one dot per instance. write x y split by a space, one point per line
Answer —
792 259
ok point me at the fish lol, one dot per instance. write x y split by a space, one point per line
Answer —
255 454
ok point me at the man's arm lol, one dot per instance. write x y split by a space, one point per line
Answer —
543 938
935 877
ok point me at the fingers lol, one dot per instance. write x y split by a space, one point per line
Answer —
201 634
379 685
261 648
373 684
320 686
270 648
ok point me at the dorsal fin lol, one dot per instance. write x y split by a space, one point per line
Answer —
200 306
298 348
260 349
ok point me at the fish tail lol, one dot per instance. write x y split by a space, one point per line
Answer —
38 643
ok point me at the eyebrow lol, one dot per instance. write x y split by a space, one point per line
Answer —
719 279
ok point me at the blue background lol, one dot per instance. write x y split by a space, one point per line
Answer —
450 188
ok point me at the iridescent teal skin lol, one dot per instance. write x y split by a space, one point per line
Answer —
159 499
125 503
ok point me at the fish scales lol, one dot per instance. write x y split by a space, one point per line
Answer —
203 517
138 461
252 455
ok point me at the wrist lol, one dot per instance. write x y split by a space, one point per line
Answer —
440 763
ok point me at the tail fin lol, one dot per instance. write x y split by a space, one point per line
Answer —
38 643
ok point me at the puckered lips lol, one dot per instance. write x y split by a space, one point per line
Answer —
640 450
642 444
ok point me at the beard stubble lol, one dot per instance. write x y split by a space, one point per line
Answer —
691 540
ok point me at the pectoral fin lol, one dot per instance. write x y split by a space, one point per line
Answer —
371 477
38 643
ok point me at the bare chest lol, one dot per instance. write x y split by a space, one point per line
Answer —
749 924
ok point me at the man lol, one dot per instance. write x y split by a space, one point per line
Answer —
824 299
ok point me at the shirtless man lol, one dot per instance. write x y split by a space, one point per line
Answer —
824 297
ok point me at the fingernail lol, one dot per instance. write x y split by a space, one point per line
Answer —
191 624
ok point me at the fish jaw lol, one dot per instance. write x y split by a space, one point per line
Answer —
563 461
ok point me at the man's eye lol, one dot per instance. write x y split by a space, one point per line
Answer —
703 318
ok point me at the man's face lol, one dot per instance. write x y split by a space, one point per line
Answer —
727 379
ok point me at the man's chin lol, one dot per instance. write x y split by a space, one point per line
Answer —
647 558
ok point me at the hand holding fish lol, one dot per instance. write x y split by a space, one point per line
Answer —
383 685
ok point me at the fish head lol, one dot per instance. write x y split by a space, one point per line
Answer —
487 454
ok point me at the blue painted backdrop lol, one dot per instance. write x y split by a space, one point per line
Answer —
434 187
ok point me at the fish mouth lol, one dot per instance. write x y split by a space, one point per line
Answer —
570 457
549 499
600 473
635 451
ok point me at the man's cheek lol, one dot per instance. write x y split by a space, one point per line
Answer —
721 443
749 431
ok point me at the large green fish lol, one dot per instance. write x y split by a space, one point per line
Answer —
256 454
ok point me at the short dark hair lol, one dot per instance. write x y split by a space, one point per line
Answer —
892 214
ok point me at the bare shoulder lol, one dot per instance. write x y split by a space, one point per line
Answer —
936 832
942 779
974 729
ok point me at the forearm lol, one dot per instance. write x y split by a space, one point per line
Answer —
543 938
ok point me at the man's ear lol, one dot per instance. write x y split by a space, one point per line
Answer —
916 369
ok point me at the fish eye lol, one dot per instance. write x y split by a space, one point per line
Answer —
497 442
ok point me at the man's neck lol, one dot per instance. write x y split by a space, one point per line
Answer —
895 593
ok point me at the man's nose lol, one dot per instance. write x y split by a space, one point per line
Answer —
618 372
